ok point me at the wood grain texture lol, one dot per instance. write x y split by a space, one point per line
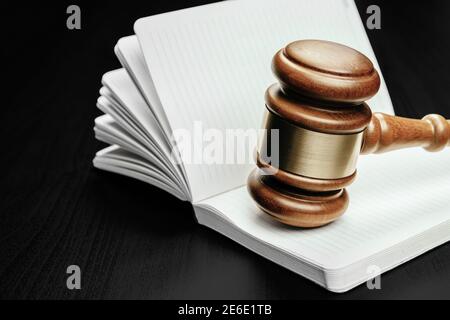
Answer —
319 112
56 210
326 71
297 208
386 133
317 115
322 87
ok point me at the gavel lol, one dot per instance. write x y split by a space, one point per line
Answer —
323 125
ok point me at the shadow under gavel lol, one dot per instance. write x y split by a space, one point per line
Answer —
323 126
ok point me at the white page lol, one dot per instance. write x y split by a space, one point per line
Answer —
117 160
212 64
108 131
395 197
123 89
129 52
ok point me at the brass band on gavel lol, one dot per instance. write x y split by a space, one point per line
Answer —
309 153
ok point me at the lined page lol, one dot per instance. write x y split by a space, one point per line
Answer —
395 197
212 64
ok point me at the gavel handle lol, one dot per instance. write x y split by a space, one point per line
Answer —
386 133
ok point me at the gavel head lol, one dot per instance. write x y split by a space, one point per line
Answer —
318 113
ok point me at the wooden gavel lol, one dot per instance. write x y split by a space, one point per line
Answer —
323 125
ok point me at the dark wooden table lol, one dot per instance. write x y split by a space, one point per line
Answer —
56 210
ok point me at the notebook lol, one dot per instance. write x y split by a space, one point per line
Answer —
205 69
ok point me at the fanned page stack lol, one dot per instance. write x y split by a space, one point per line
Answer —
209 66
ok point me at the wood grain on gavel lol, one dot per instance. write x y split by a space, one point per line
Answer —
324 124
386 133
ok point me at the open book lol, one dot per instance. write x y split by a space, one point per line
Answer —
208 67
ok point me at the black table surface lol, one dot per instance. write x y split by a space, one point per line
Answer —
132 240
